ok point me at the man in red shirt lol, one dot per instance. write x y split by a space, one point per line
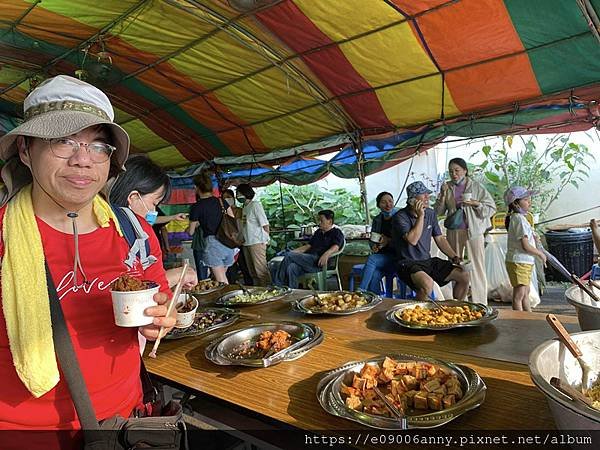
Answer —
56 163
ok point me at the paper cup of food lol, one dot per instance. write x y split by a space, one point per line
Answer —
186 310
130 298
375 237
467 197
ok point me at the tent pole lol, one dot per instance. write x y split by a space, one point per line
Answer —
361 180
281 200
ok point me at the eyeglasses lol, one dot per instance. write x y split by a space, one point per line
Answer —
65 148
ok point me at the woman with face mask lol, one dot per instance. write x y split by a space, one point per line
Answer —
141 188
255 227
240 265
383 258
469 206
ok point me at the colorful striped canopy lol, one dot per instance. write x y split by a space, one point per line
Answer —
248 81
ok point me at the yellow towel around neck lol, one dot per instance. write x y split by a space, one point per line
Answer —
24 292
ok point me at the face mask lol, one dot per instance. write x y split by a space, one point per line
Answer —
150 215
241 198
390 213
230 201
459 181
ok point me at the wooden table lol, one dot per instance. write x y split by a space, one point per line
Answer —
285 394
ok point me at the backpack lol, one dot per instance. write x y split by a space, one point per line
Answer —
135 236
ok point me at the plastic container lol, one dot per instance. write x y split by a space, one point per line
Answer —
574 249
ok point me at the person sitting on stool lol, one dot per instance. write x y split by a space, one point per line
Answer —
310 257
412 230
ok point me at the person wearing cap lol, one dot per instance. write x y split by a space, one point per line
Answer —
468 200
56 163
413 227
521 246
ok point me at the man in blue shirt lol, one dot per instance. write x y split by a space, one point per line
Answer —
413 228
312 256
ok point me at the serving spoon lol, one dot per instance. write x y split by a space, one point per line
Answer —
588 376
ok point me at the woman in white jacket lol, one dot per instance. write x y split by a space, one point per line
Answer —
466 228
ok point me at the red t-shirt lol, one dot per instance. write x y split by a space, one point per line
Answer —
108 355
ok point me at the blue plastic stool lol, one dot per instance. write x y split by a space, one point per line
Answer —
595 272
357 270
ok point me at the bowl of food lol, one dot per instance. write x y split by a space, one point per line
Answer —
552 360
186 308
425 392
443 315
130 298
253 296
265 344
337 303
588 310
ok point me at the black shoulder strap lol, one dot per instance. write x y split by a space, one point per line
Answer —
68 361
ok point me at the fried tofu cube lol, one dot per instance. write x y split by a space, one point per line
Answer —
434 401
420 400
354 402
431 370
369 371
386 375
456 391
421 372
397 388
348 390
370 394
410 396
410 382
430 386
448 401
358 383
401 369
441 390
389 363
402 403
410 368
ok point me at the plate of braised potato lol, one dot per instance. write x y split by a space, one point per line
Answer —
337 302
451 314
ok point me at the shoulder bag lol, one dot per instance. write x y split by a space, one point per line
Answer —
455 220
153 425
229 233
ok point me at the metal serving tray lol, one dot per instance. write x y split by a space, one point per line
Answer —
393 315
329 396
230 316
228 299
372 301
208 291
220 349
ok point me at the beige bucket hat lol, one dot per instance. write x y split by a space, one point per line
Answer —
58 107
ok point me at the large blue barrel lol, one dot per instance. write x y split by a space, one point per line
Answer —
575 249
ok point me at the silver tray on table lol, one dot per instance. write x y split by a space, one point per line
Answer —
222 350
277 293
394 315
303 304
330 398
225 317
208 291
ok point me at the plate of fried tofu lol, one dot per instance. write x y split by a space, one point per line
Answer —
420 392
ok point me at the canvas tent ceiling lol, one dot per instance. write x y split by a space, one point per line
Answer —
197 80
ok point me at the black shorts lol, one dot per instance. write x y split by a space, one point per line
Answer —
438 269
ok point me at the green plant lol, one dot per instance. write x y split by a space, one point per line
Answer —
301 205
547 171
